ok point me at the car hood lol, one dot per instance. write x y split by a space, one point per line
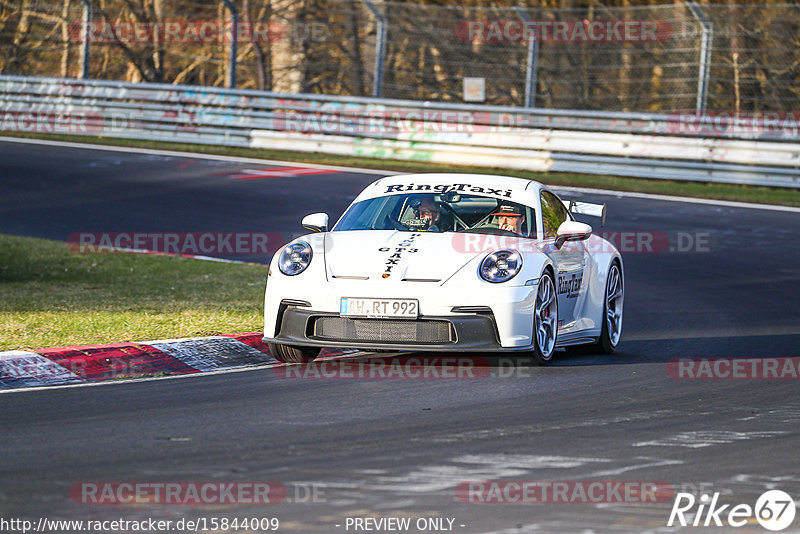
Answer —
394 255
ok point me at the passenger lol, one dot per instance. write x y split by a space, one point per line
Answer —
509 218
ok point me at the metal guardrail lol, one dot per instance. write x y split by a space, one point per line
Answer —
627 144
658 57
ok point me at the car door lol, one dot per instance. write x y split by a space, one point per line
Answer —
569 262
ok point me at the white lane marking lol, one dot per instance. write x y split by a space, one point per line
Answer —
178 154
713 331
691 200
706 438
16 354
787 414
544 427
101 383
275 363
359 170
178 255
440 477
619 471
765 482
528 461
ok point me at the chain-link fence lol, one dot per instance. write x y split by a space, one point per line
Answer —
667 58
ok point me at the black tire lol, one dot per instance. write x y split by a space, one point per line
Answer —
605 344
293 354
541 355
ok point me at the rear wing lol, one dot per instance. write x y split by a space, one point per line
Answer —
587 208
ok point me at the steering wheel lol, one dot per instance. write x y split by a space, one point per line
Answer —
396 224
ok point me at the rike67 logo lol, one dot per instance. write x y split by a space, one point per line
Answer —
774 510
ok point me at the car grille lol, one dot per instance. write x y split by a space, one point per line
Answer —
383 330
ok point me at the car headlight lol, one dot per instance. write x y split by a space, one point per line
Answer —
501 266
295 258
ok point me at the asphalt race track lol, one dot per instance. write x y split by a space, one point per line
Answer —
400 448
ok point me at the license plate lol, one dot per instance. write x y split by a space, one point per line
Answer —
357 307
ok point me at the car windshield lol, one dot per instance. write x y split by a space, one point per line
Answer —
447 212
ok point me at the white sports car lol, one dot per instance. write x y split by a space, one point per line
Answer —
447 262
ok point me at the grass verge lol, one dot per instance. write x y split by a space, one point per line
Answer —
51 297
740 193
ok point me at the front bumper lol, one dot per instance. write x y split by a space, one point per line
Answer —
509 308
467 332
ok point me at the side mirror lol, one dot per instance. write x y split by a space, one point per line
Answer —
316 222
572 231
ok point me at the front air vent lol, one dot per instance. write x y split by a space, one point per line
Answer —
383 330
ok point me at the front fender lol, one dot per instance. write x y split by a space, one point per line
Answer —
280 286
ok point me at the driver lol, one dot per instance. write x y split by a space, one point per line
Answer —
509 217
431 212
426 215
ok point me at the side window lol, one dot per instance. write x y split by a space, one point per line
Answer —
553 213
